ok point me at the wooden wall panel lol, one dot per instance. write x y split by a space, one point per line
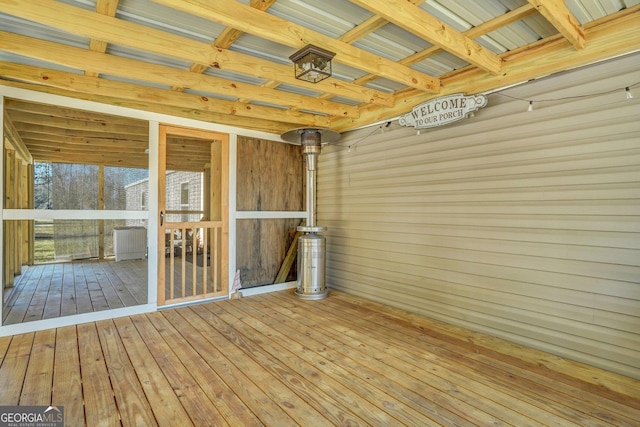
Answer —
523 225
9 227
261 247
27 203
270 177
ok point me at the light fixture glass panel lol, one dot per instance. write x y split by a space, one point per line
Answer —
312 64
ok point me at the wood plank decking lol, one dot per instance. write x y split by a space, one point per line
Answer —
54 290
276 360
47 291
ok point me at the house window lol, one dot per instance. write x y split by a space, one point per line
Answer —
143 200
184 200
184 195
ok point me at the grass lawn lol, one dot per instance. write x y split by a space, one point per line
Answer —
43 245
71 236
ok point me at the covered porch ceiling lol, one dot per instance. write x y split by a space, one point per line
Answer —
227 61
47 133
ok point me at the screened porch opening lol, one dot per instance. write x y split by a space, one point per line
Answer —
75 226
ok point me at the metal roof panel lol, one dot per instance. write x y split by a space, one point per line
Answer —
146 56
249 44
472 12
590 10
19 59
154 15
233 76
326 17
23 27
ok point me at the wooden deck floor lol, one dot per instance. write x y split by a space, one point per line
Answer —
276 360
48 291
53 290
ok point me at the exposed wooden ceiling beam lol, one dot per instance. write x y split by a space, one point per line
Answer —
368 26
108 8
165 43
261 24
263 125
57 147
14 141
141 130
229 35
116 160
477 31
412 18
63 146
95 86
559 15
360 31
89 142
67 113
79 136
608 37
39 137
143 71
498 22
179 156
90 24
472 33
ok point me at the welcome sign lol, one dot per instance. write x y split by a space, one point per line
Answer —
442 111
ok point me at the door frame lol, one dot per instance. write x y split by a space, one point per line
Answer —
220 197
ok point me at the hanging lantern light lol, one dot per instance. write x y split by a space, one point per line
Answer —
312 63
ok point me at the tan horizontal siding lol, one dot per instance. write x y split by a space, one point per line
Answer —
552 222
558 236
491 265
524 225
630 258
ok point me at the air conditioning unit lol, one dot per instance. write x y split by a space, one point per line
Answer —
130 243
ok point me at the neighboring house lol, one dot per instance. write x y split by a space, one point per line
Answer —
184 193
